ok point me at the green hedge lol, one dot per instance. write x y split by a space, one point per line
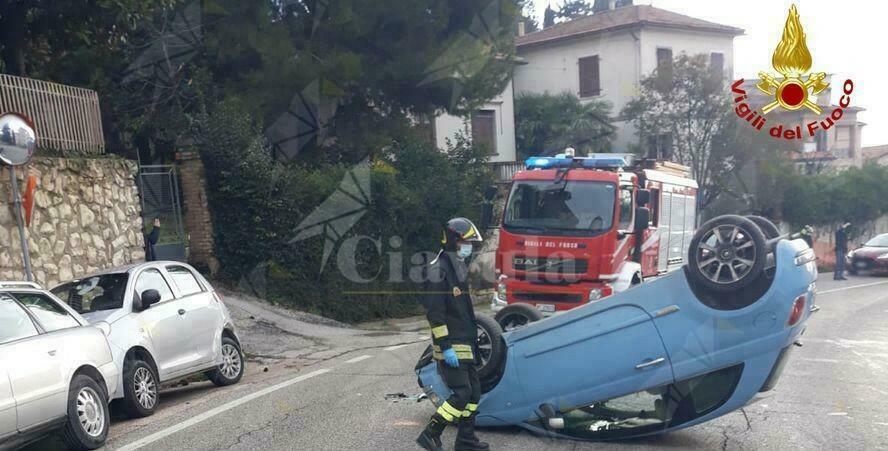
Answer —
257 203
856 195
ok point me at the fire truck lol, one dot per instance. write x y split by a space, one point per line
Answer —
578 229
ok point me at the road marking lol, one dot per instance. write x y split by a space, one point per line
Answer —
818 360
392 348
213 412
358 359
835 290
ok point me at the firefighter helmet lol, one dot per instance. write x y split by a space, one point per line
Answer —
459 229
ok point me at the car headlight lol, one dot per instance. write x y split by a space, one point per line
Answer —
850 255
595 294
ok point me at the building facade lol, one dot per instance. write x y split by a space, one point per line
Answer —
606 55
492 125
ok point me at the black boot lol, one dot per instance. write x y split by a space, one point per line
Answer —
466 440
430 438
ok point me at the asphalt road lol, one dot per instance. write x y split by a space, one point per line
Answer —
833 395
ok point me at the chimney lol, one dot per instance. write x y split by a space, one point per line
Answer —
611 4
521 28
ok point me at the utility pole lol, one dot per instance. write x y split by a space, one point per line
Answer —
19 219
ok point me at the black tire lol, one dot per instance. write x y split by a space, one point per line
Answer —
141 388
491 348
231 370
768 228
740 254
516 316
88 415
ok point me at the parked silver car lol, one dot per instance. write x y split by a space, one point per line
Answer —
56 370
167 322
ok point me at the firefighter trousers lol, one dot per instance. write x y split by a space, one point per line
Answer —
463 382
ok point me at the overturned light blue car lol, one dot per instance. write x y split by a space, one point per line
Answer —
686 348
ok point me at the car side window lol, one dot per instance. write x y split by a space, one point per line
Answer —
626 210
184 280
15 323
48 312
152 279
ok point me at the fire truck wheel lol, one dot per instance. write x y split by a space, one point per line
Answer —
727 253
516 316
491 348
768 228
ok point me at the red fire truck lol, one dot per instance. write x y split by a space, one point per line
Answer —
578 229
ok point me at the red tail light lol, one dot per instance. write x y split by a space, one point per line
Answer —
798 307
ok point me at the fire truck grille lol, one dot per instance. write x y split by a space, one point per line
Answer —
547 297
550 265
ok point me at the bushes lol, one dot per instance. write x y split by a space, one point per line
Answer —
259 204
854 195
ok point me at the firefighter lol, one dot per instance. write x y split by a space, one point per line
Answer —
454 337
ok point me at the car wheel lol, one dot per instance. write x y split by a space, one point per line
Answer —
768 228
491 347
516 316
727 253
88 416
231 370
140 388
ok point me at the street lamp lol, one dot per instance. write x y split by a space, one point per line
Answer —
17 144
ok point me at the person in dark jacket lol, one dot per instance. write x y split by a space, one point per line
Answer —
841 250
151 240
454 338
807 234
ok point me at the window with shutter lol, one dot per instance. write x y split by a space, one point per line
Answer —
590 83
484 129
664 67
717 65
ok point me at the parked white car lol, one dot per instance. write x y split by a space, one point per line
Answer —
56 370
167 322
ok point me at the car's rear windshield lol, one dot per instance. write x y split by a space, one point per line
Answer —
92 294
879 241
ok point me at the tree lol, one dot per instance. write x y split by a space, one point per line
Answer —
689 108
546 124
572 9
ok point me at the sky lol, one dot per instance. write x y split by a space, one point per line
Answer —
840 37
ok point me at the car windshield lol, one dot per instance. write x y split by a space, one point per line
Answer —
563 208
879 241
92 294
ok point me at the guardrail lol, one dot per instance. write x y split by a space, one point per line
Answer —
66 118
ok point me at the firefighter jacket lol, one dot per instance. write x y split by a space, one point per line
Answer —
449 308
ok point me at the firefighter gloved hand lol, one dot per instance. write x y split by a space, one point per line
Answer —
450 358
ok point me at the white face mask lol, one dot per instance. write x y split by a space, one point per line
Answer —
464 250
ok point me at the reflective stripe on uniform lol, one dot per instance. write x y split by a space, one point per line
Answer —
449 412
463 352
470 409
440 331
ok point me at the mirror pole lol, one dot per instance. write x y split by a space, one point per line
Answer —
17 207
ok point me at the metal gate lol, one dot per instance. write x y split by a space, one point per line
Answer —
159 191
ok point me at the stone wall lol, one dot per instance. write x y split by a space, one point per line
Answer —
86 218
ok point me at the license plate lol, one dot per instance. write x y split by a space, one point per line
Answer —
546 307
860 264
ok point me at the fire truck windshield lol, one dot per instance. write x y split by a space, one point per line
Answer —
574 208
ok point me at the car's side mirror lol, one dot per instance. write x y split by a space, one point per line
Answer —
642 218
149 298
642 197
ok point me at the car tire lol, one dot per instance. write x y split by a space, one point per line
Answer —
768 228
231 370
88 415
491 347
516 316
727 253
140 388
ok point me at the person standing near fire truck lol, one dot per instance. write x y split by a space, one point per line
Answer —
841 250
454 338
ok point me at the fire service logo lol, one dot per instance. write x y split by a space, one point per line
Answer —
793 89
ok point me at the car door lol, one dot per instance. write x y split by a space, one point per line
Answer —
203 310
32 362
7 405
167 325
590 354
